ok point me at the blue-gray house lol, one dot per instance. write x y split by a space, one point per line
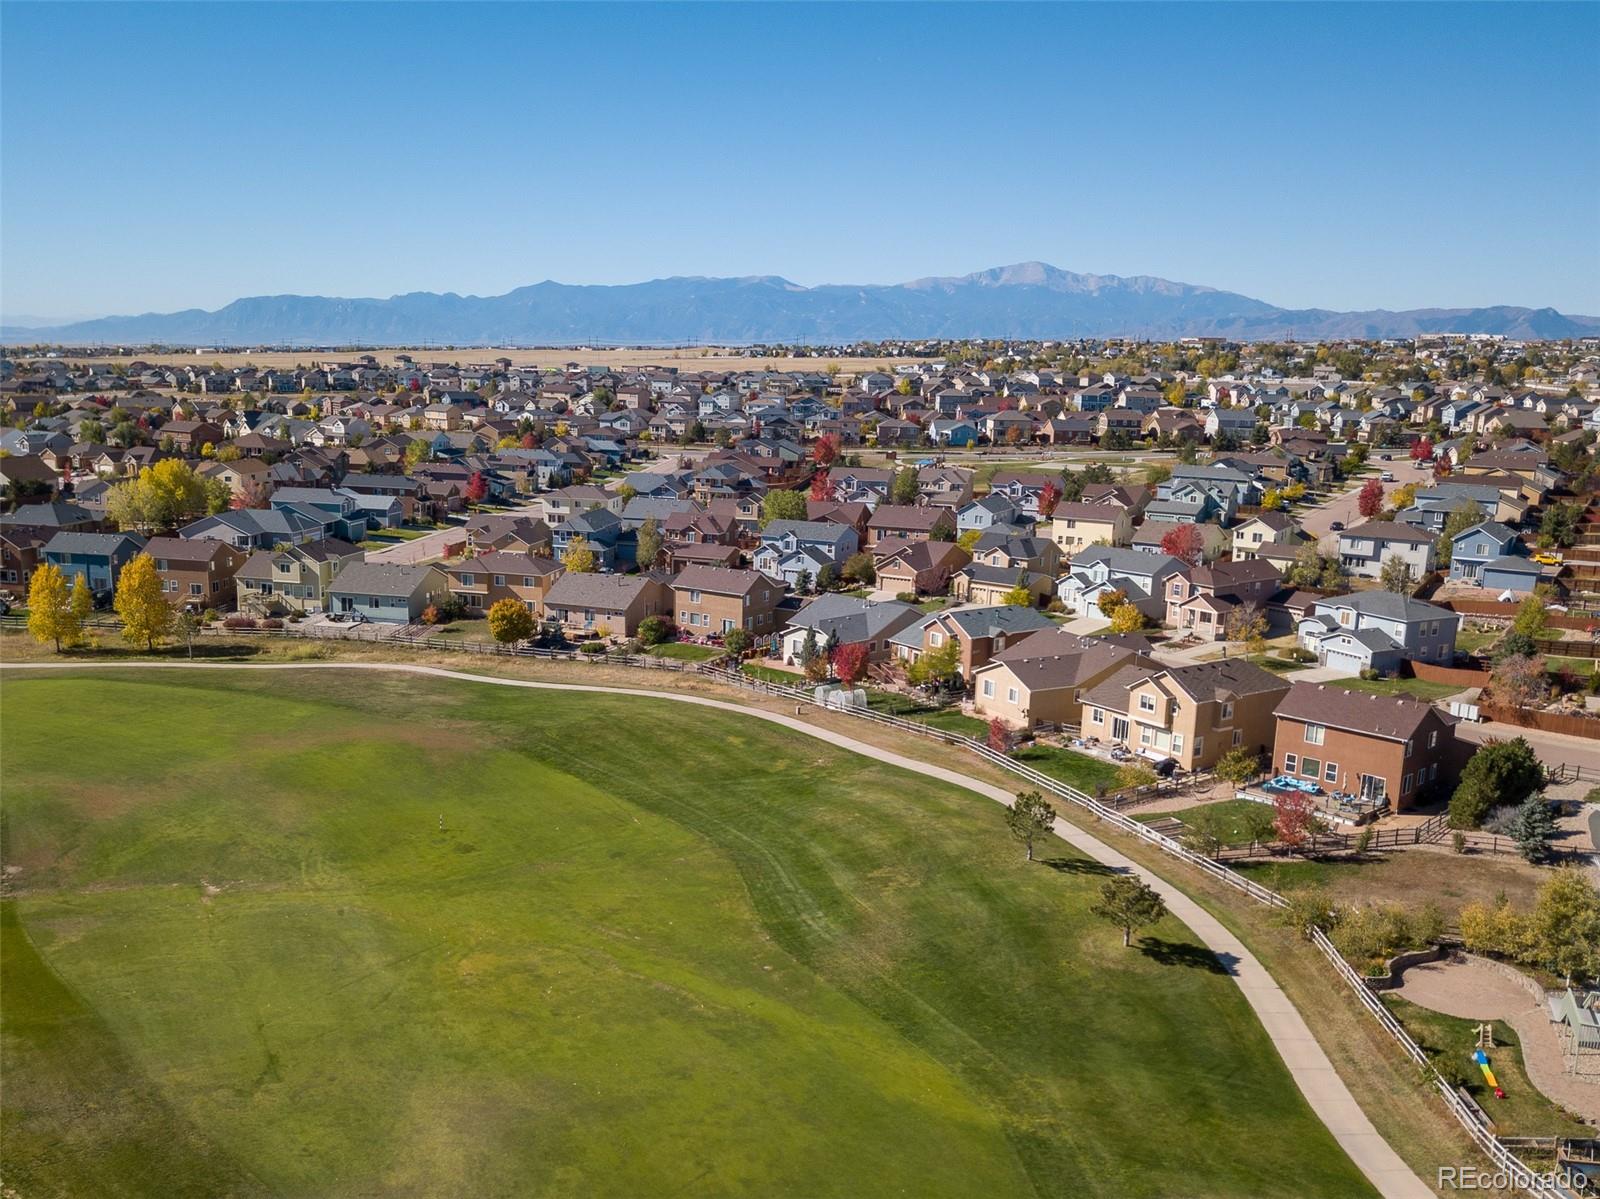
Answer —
1471 548
387 594
98 557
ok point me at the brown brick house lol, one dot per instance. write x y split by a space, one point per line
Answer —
483 581
717 600
588 603
192 434
1377 747
196 572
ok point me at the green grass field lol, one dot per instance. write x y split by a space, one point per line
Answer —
685 651
317 933
1091 775
1412 688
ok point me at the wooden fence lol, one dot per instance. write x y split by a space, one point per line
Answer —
1545 722
1470 1119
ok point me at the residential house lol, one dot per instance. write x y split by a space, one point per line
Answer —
911 521
98 557
917 567
387 594
716 600
978 633
1074 527
1201 599
1378 747
1041 679
196 573
607 605
1141 577
296 578
1377 630
846 620
1364 549
1264 528
1194 714
791 548
485 579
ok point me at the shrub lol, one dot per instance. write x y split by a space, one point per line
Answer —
431 615
1308 908
1369 673
239 622
209 616
653 630
592 647
738 642
272 622
906 597
1500 773
1371 935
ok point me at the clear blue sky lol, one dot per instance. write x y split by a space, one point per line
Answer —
1362 155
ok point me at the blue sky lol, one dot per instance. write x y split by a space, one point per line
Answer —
1351 156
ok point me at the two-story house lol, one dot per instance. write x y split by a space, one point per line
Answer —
1192 714
1377 630
1364 549
978 634
295 578
1471 550
1380 748
98 557
196 573
846 620
792 548
1074 527
1041 679
484 580
1141 578
717 600
596 604
1263 529
1201 598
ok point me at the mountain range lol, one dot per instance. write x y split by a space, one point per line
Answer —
1028 300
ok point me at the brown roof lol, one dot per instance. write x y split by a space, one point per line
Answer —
720 580
1394 718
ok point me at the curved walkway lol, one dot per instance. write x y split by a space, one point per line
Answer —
1313 1073
1475 990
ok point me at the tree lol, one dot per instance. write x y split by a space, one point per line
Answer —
737 642
1520 680
188 625
649 543
1129 904
477 488
860 568
1369 501
905 487
1460 518
1049 497
1559 525
782 505
253 493
825 450
969 540
1018 597
579 559
82 606
160 497
944 529
510 620
1030 817
999 737
1127 619
821 487
850 663
653 630
1247 622
1421 449
1500 773
141 603
1531 618
1239 766
1532 828
50 615
936 667
1295 821
1396 575
1565 926
1110 601
418 450
1183 542
1271 500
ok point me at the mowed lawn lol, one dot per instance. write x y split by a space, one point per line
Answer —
652 950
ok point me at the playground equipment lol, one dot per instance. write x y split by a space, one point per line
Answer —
1482 1059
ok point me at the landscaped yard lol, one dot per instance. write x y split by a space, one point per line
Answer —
787 678
1415 688
949 720
342 934
686 651
1092 775
1229 820
1471 640
383 537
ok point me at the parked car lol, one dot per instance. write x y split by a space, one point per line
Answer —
1386 477
1336 527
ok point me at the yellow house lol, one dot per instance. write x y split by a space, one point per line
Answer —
1077 526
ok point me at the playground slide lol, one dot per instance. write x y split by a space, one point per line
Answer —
1482 1059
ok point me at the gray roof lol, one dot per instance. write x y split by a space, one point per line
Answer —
1387 605
91 543
854 619
386 579
597 590
1490 528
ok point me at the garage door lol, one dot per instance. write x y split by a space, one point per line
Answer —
1346 662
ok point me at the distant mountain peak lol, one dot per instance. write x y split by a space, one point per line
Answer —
1022 300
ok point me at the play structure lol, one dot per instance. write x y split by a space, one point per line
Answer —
1482 1059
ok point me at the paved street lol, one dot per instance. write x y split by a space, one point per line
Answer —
1342 506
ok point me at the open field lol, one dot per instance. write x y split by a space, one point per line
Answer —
243 956
690 358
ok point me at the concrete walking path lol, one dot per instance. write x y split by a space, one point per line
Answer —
1313 1073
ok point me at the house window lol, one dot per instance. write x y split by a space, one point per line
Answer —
988 688
499 580
1310 767
1199 746
1011 695
1315 734
935 639
1147 703
196 589
1405 783
1238 737
1097 716
1290 762
1330 772
1227 711
1147 735
1433 739
1177 743
469 580
1408 751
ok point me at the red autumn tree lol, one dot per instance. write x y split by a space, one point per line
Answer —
1184 542
252 493
825 450
1049 497
1422 449
999 736
1370 502
850 662
529 441
477 488
1441 469
1295 818
821 486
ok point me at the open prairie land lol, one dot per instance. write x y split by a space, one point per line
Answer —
306 934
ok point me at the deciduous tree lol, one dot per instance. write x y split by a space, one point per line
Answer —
510 620
649 543
1396 576
50 616
579 558
1295 821
1184 542
1369 501
141 603
1127 619
782 505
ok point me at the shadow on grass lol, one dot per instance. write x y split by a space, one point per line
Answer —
1078 866
1177 953
178 653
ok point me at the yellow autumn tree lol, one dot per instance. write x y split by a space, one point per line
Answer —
50 608
1127 619
579 559
146 615
82 606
